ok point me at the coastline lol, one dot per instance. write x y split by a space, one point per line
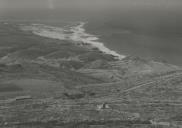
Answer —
75 33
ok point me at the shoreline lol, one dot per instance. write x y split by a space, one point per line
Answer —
74 33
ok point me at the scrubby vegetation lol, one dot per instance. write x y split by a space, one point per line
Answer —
62 85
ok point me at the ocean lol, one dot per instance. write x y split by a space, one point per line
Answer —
160 39
150 35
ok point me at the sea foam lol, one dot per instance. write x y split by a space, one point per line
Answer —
75 33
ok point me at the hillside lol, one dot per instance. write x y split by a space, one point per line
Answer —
51 83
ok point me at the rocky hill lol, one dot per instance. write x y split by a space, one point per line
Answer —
50 83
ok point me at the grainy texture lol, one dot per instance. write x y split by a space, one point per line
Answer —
48 83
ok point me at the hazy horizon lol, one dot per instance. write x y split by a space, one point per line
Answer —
89 6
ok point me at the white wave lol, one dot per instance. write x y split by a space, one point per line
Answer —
46 31
75 33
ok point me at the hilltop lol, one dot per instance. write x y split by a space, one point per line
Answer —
55 83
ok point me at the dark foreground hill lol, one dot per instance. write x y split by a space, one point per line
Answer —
48 83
